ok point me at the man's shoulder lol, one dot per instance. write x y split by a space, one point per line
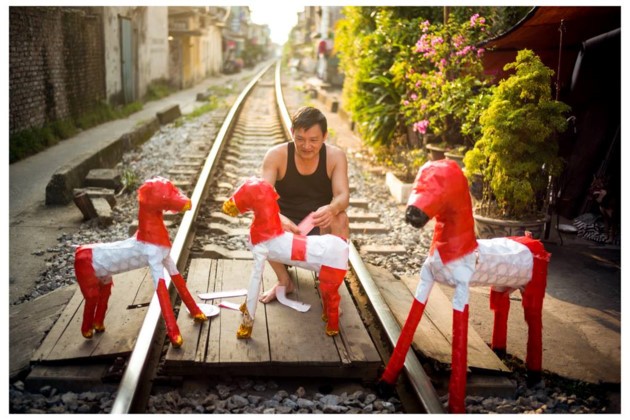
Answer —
278 151
335 152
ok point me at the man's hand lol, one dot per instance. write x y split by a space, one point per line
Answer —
323 217
288 225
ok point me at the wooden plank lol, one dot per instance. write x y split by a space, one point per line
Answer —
198 280
353 336
59 328
427 339
289 330
122 325
233 350
439 310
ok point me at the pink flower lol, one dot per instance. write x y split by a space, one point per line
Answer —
480 52
421 126
414 96
405 102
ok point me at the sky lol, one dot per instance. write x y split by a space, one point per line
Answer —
280 19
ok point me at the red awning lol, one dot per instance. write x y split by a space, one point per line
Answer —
540 31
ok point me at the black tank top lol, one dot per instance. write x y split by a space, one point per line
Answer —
302 194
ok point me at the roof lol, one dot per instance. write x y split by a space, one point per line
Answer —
540 32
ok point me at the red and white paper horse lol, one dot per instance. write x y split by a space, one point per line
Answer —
458 259
95 264
325 254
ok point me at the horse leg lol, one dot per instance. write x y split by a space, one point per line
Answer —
167 313
248 308
182 289
105 291
500 305
459 362
89 285
329 281
533 296
397 360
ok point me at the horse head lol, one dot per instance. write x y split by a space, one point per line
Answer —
159 194
439 186
254 193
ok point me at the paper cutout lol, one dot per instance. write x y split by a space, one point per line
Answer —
281 295
230 305
222 294
207 309
307 224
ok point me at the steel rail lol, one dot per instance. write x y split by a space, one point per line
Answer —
420 382
131 378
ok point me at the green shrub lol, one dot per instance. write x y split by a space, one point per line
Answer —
518 150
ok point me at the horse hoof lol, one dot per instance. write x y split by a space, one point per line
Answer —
324 318
331 333
87 334
177 342
201 317
385 390
99 328
244 332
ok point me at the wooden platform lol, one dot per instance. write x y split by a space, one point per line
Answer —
433 336
131 294
284 342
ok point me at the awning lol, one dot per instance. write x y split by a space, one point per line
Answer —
540 31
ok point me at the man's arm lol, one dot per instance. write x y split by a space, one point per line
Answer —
340 188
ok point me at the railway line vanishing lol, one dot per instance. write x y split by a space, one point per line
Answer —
150 376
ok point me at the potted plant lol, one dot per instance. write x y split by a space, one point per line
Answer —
518 150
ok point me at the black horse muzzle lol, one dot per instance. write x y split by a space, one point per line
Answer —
416 217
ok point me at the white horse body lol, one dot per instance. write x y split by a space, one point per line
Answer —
501 263
328 250
129 254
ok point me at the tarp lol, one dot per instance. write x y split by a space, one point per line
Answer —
590 82
540 31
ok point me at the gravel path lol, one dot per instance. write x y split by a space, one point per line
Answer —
245 395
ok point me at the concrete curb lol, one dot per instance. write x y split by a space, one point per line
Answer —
71 175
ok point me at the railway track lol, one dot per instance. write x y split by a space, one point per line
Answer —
257 120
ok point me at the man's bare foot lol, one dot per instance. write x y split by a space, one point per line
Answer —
270 295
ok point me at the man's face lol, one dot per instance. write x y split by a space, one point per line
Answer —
308 142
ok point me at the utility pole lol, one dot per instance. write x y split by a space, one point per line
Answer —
446 10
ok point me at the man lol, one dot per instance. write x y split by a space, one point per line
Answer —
310 176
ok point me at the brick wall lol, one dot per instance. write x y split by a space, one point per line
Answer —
56 64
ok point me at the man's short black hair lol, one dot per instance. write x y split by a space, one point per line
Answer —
306 117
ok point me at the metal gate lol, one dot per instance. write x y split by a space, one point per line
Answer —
126 59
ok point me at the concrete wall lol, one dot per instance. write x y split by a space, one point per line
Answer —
53 73
150 31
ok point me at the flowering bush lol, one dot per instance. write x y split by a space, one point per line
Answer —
444 80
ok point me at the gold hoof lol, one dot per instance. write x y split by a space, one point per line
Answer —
99 328
177 343
331 333
324 318
87 334
244 332
201 317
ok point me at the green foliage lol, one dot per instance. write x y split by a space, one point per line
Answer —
368 41
103 112
402 161
157 90
130 180
30 141
211 104
443 79
518 150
